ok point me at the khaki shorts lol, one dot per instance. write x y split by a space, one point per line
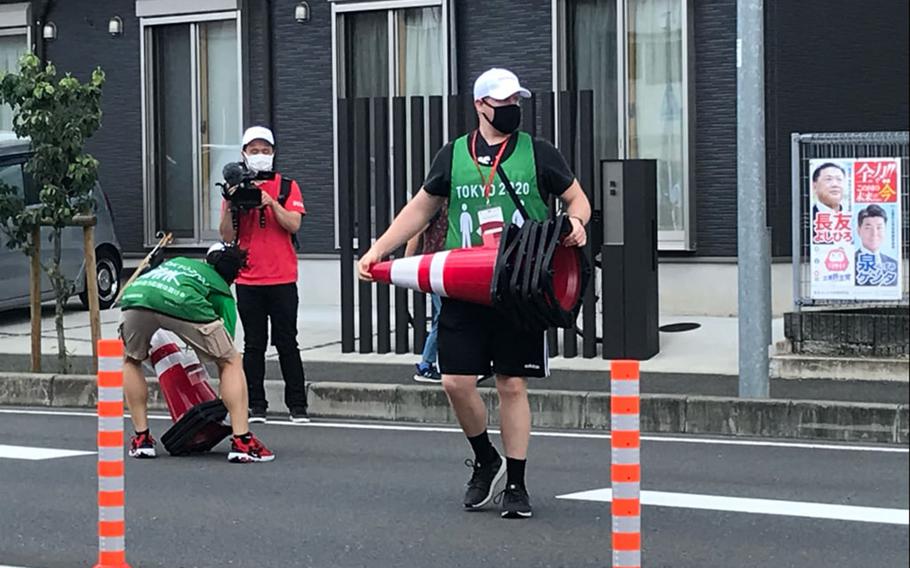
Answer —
210 340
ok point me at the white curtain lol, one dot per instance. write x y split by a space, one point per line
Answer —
655 99
221 111
591 43
420 40
12 47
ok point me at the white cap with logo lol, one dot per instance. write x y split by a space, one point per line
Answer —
499 84
258 133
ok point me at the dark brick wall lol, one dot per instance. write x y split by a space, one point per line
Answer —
831 66
515 34
715 128
302 114
82 44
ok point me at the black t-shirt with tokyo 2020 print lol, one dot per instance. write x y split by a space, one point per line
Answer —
553 173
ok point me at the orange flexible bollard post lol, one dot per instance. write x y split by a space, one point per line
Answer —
111 495
625 468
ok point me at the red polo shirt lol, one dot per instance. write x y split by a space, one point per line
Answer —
272 258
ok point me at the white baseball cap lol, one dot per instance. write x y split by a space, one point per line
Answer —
499 84
258 133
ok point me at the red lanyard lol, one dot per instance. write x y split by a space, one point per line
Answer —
489 185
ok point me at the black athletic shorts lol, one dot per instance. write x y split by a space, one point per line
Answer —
475 339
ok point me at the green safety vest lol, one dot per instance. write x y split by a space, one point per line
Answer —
185 289
466 196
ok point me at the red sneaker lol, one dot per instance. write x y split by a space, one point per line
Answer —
142 446
250 451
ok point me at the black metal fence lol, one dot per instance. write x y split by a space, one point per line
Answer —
385 147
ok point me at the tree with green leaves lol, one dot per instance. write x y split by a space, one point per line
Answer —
57 115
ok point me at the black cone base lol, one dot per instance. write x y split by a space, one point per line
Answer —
199 430
537 283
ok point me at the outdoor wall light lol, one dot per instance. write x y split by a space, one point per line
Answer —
115 26
302 12
49 31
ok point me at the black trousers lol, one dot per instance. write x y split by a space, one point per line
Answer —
257 306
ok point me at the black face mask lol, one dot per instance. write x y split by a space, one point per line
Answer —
505 118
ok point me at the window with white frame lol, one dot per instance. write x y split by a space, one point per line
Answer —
392 48
387 49
192 119
14 43
633 55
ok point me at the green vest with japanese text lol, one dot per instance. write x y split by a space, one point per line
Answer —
466 196
185 289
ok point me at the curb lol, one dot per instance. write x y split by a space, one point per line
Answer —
666 414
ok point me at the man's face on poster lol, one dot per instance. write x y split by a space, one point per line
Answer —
829 187
872 232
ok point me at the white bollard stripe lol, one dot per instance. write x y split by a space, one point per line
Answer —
624 388
626 558
106 453
404 271
111 543
108 364
624 422
626 490
625 456
110 394
108 424
437 284
110 514
626 524
110 484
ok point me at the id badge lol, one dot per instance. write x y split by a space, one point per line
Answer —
490 215
491 224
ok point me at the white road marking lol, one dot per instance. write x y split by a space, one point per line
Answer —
833 446
33 454
756 506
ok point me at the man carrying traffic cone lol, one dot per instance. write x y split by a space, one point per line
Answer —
494 172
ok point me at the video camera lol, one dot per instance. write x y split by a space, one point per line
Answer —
238 188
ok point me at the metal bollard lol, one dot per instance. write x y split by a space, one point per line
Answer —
111 495
625 468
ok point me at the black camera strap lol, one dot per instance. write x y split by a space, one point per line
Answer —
284 193
511 190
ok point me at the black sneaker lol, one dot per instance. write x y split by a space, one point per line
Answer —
515 502
299 415
257 415
482 485
427 373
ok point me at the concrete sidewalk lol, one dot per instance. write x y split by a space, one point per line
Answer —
698 362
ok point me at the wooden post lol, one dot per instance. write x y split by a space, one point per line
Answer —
91 288
35 296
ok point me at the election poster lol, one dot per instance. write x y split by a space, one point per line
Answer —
855 229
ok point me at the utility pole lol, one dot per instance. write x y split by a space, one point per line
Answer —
753 238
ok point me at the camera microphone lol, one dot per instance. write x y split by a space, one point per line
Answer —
234 173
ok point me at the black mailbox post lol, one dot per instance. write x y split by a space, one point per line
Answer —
629 257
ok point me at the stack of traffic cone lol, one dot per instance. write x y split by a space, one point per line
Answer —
525 273
199 415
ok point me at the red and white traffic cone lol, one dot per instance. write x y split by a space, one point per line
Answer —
463 274
199 416
181 380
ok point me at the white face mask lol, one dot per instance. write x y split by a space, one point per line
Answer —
259 162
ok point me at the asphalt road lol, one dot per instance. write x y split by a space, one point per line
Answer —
346 495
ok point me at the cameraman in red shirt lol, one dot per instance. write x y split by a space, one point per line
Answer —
267 286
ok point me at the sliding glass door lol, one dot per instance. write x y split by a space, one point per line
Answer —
633 55
192 123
